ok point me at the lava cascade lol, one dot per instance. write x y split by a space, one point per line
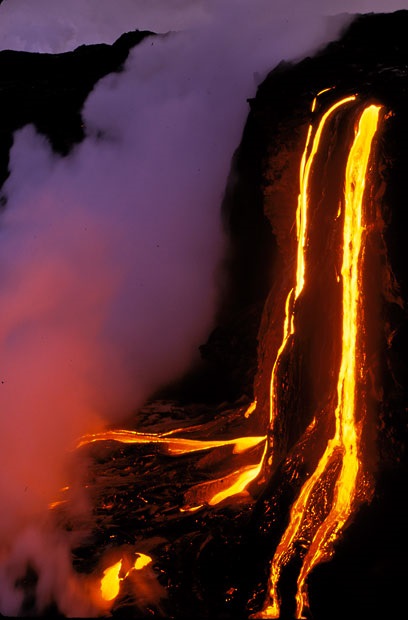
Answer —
338 490
334 482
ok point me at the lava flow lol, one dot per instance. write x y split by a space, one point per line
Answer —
112 578
238 480
212 492
334 483
345 444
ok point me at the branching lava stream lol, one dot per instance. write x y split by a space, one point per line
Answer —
316 532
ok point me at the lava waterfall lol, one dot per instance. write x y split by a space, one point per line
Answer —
327 497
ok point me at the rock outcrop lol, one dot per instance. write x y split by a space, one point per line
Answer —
49 90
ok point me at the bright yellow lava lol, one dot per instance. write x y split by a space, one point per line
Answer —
142 561
301 231
346 439
110 583
251 409
173 445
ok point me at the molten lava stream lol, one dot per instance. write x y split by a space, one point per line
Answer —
307 161
211 492
241 479
342 452
220 489
344 446
217 490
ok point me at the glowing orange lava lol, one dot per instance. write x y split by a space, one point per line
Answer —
173 445
142 560
111 580
110 583
306 163
345 442
317 533
237 481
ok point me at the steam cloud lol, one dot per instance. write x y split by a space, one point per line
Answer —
108 258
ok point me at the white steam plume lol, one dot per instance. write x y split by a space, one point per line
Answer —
108 257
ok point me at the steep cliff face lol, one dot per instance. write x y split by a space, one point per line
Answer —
370 59
369 62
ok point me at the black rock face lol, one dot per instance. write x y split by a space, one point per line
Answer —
49 90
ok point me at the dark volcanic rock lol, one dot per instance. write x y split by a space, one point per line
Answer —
49 90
